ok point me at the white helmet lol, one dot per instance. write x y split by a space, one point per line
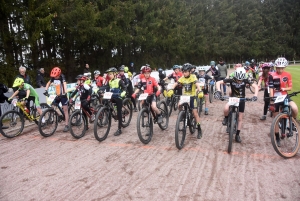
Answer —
240 73
96 72
143 67
281 62
201 68
87 75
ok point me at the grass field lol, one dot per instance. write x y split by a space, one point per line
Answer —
295 72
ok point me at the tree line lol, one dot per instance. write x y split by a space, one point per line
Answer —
105 33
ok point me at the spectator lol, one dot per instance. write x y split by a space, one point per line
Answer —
87 69
40 81
26 78
222 67
131 68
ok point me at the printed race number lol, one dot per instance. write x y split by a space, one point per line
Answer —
107 95
143 96
234 101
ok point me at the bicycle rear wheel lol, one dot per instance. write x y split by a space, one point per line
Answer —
102 124
11 124
126 112
169 103
48 122
231 125
144 126
289 143
78 124
180 130
162 106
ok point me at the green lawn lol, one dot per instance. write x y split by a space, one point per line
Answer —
295 72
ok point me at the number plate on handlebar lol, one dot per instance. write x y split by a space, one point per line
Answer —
280 98
184 99
77 104
14 102
107 95
143 96
234 101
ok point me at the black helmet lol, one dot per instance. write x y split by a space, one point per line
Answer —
122 68
186 67
112 69
79 77
160 70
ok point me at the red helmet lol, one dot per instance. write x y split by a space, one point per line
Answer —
146 69
55 72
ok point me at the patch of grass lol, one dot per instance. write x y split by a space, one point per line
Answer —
295 72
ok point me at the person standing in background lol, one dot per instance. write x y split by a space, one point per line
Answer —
131 68
40 80
222 67
86 69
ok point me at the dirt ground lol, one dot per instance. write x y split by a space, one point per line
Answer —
122 168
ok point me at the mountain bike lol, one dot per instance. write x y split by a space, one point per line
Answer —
147 117
12 122
287 127
212 90
185 119
233 117
102 123
78 121
52 117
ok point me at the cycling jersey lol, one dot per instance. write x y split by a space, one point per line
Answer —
281 81
175 76
267 80
149 85
59 84
237 89
116 86
84 90
214 72
32 93
188 84
99 81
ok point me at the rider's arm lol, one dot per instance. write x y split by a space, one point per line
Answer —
174 85
218 84
254 85
289 83
14 94
47 85
259 81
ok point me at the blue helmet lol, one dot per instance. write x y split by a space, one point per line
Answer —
247 63
213 63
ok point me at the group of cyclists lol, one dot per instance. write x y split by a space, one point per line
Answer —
187 81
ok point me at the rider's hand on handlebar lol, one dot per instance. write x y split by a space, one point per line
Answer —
254 98
46 93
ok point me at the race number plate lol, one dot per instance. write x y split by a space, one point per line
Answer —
143 96
280 98
234 101
107 95
184 99
278 93
77 104
50 99
14 102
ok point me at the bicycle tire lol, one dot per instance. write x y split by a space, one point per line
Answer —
179 140
78 121
175 103
15 117
231 124
192 124
281 151
162 106
126 112
144 120
102 120
211 93
50 117
169 102
252 89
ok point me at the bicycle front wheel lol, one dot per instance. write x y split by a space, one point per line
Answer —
78 124
126 112
144 126
102 124
231 122
289 141
211 93
169 102
180 130
11 124
162 106
48 122
200 105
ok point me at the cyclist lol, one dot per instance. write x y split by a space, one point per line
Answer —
150 86
190 85
85 92
98 79
130 87
282 82
268 81
176 75
214 71
237 84
202 77
117 87
30 92
222 68
253 68
60 84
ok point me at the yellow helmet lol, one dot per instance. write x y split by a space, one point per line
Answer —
18 81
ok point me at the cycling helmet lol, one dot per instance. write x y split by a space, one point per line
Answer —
97 72
147 69
148 65
247 63
240 73
55 72
143 67
266 65
212 63
186 67
160 70
88 75
18 81
122 68
252 60
126 69
81 77
175 67
201 68
281 62
193 66
112 69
